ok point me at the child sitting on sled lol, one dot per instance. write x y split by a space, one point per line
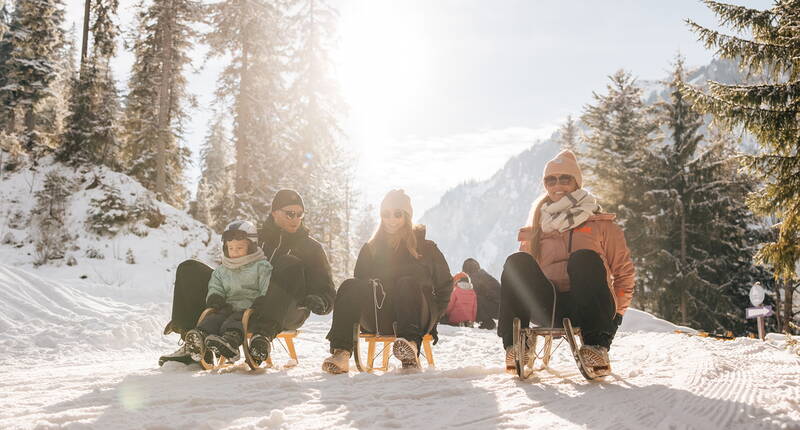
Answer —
243 276
463 306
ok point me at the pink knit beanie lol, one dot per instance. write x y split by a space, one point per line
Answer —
565 163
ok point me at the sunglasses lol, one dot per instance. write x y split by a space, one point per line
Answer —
397 214
561 180
293 214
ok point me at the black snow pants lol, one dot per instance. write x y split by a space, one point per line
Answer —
525 293
377 308
276 311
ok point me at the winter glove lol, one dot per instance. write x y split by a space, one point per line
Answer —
315 304
618 319
217 302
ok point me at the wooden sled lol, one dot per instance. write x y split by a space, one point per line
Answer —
387 340
221 362
526 354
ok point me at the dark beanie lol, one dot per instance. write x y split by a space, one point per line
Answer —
285 198
470 266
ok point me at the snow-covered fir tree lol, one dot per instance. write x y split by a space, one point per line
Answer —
569 135
91 134
315 114
769 111
215 189
249 33
52 111
29 57
621 130
701 235
155 110
5 17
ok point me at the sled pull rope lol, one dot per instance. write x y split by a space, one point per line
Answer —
375 284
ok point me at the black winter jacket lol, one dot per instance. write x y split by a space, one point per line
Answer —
386 264
319 279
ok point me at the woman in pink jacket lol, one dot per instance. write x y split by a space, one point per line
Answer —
574 263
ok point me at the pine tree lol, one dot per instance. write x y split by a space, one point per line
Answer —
52 111
155 111
215 189
621 132
700 231
315 111
29 62
90 134
250 34
5 18
769 111
569 135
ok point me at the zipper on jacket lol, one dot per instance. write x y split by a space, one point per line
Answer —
280 240
569 248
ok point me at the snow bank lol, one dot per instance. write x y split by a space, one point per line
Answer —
42 320
636 320
136 264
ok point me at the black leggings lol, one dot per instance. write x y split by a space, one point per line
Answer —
276 311
362 301
525 293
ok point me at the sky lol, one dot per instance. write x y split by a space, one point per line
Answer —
443 92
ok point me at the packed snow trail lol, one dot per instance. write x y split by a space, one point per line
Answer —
661 379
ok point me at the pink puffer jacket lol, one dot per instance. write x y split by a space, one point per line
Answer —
463 306
599 233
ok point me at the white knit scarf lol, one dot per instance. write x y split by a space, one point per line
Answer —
569 212
235 263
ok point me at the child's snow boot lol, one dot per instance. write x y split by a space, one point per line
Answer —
260 347
226 345
337 363
195 339
406 351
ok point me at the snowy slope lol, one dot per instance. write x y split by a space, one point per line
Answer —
102 262
74 360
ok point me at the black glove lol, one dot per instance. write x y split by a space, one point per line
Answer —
315 304
216 302
618 319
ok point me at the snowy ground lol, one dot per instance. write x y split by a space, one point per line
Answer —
73 359
79 346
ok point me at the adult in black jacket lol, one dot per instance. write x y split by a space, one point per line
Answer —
487 288
401 287
301 279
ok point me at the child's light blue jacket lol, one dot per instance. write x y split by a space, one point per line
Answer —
241 286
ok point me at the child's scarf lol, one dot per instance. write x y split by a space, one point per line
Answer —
235 263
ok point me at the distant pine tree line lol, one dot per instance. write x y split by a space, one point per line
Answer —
705 221
277 115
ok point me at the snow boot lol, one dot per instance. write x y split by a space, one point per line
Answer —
337 363
181 355
195 342
595 358
511 367
406 351
226 345
260 347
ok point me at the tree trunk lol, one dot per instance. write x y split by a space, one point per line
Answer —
84 45
788 292
164 101
684 316
30 125
243 122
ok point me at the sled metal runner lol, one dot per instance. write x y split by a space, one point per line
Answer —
387 340
219 362
525 352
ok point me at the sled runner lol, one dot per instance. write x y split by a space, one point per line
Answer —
525 352
387 340
211 361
